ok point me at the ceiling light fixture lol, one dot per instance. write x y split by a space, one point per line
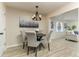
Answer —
36 16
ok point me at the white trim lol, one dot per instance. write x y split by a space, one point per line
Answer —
10 46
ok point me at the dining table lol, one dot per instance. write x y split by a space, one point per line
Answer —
40 36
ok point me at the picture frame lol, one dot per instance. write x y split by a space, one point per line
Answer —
24 23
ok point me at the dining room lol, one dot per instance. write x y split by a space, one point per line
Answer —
32 29
20 22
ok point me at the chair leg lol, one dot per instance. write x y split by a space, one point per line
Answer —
36 52
48 46
39 47
28 51
34 49
23 45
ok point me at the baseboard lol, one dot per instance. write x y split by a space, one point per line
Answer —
15 45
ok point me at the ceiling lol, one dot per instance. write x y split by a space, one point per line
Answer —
44 7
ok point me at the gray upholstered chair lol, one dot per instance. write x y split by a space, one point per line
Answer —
49 39
24 38
32 41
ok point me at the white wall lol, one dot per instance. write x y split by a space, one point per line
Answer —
13 30
2 28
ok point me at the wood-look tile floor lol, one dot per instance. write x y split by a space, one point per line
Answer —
59 48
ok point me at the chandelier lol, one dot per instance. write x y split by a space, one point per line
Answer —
36 16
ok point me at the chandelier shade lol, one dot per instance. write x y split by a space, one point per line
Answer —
36 16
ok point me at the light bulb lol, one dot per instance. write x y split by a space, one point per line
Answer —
40 15
33 16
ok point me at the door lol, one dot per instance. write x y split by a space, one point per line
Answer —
2 32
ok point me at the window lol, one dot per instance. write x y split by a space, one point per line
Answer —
59 26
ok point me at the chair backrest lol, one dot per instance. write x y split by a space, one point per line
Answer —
23 35
31 38
48 36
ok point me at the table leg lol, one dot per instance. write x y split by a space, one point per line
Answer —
36 52
28 50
